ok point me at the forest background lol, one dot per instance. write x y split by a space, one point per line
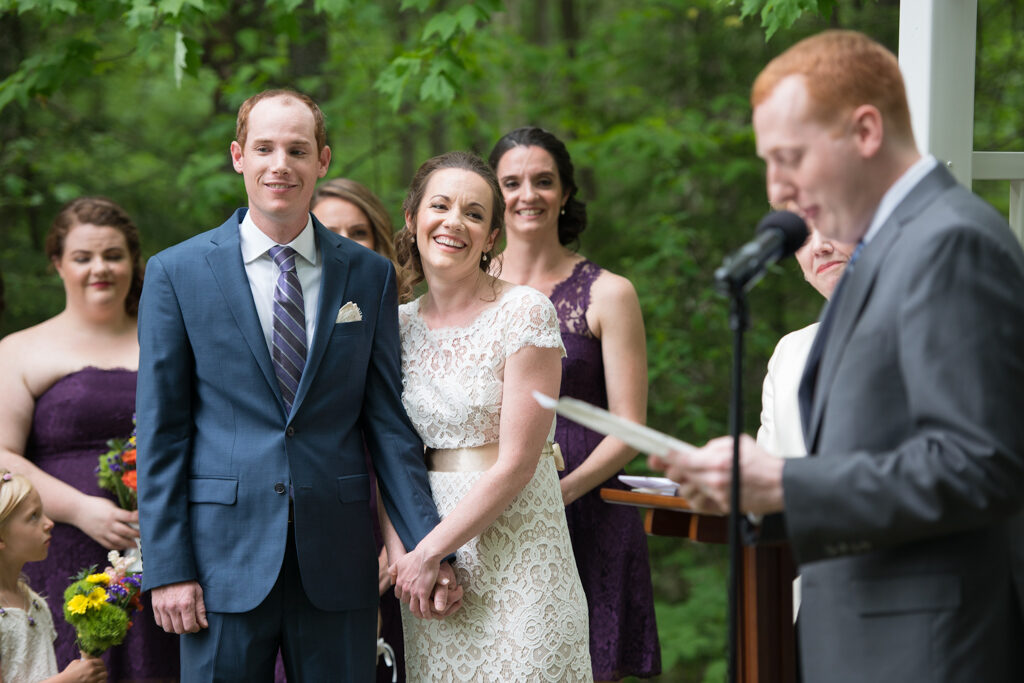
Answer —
136 100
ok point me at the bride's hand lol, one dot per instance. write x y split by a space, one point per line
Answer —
416 575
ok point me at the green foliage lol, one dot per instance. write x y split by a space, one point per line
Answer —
782 14
136 100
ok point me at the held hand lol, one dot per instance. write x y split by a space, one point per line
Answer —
447 597
85 670
416 576
705 476
384 578
179 607
106 523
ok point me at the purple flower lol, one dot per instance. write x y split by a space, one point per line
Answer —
116 593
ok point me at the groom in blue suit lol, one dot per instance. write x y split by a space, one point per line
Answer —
269 357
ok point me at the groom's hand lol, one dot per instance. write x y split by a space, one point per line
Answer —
179 607
417 576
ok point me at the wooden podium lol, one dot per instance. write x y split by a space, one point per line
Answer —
767 649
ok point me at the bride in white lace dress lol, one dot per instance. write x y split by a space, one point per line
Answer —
473 349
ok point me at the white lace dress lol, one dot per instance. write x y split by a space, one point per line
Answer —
26 642
524 613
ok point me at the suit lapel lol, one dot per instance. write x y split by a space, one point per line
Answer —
225 260
333 281
862 281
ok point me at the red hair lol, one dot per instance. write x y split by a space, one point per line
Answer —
842 70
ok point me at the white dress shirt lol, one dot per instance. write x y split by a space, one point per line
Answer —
897 192
262 273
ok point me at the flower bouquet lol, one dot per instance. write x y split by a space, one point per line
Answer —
116 473
99 605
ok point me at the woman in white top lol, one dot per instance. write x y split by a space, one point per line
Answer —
474 348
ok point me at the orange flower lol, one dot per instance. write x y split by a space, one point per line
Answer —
130 480
128 457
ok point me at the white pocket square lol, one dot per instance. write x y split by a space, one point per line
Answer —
349 313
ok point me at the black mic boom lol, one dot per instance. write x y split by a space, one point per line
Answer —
779 234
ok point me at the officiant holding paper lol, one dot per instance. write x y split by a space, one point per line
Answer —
903 518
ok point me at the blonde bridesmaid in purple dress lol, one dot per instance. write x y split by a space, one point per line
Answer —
69 385
605 364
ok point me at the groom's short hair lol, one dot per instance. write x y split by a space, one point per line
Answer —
242 123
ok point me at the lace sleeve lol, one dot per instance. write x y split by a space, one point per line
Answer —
531 321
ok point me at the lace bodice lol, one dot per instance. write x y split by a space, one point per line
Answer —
452 377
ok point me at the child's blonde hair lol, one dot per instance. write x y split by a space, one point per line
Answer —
14 488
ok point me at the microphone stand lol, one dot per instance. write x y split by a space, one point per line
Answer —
738 323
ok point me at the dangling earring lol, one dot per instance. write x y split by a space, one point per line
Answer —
484 258
563 210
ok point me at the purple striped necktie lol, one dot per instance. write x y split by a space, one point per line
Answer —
289 334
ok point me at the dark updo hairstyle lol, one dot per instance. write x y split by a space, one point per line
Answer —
574 220
405 239
101 212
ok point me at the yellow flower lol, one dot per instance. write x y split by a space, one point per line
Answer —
79 604
98 578
96 598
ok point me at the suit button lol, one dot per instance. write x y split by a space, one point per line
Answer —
290 431
279 488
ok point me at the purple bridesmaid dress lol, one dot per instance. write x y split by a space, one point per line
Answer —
72 422
608 540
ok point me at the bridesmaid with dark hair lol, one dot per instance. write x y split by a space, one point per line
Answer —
69 386
606 364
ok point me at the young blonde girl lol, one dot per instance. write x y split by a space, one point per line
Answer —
26 626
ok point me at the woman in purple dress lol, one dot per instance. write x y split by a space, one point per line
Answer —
69 386
606 364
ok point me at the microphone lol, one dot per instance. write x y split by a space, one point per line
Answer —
779 234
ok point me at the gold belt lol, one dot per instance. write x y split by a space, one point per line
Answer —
478 458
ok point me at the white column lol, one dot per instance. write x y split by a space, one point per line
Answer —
937 44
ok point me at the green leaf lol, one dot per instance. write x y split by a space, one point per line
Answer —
419 5
442 25
393 79
66 6
468 15
332 8
140 16
174 7
438 86
489 7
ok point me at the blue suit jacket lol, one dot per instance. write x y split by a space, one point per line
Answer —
218 454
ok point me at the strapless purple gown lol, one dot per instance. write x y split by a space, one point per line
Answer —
72 422
608 540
